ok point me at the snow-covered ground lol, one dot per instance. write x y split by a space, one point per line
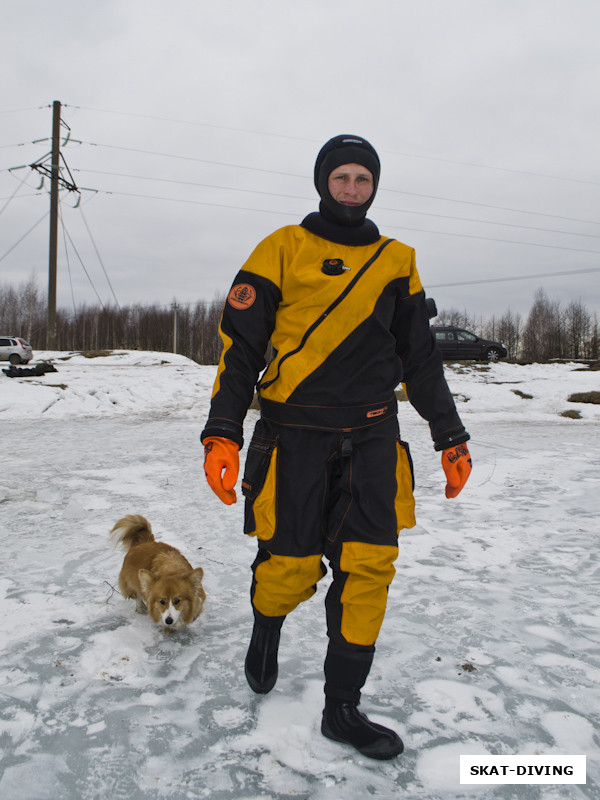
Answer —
491 643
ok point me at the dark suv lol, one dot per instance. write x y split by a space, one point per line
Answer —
457 344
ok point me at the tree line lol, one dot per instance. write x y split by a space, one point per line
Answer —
191 330
551 330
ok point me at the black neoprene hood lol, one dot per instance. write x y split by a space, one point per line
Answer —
345 149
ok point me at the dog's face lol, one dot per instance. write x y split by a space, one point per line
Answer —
174 601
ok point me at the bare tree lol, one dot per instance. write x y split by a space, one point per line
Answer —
593 345
22 311
454 317
508 331
542 337
577 329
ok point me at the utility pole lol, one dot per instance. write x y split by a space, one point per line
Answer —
53 249
57 181
174 306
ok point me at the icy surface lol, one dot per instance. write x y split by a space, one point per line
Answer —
490 645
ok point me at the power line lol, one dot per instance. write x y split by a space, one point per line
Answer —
239 166
33 194
314 141
287 213
296 215
189 158
514 278
198 124
19 186
67 258
24 236
493 239
305 177
83 266
99 257
490 222
193 183
197 184
495 208
498 169
18 144
17 110
194 202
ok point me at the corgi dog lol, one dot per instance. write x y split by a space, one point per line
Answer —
157 576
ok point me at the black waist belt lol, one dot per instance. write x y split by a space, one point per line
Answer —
328 418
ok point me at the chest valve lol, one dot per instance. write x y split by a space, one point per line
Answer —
334 266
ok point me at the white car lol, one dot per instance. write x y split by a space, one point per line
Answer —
15 350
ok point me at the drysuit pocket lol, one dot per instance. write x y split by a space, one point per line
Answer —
405 484
259 487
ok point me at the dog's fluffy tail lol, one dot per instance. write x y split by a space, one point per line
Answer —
131 531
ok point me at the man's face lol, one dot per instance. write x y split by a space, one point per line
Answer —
350 184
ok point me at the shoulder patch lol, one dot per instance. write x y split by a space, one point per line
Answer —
241 296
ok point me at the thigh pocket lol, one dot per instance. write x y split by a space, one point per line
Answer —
405 484
259 487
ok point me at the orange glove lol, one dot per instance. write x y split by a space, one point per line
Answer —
456 462
220 455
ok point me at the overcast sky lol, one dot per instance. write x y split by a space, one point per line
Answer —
194 126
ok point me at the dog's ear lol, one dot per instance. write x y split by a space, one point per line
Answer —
145 578
196 577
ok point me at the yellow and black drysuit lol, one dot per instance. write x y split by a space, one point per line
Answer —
326 471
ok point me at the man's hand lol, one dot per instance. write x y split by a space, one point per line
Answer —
221 467
456 462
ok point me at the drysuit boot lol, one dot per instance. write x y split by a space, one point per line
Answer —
261 659
345 674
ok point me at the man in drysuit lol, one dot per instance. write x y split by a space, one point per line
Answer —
327 473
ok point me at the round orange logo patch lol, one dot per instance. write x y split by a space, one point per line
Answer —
241 296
